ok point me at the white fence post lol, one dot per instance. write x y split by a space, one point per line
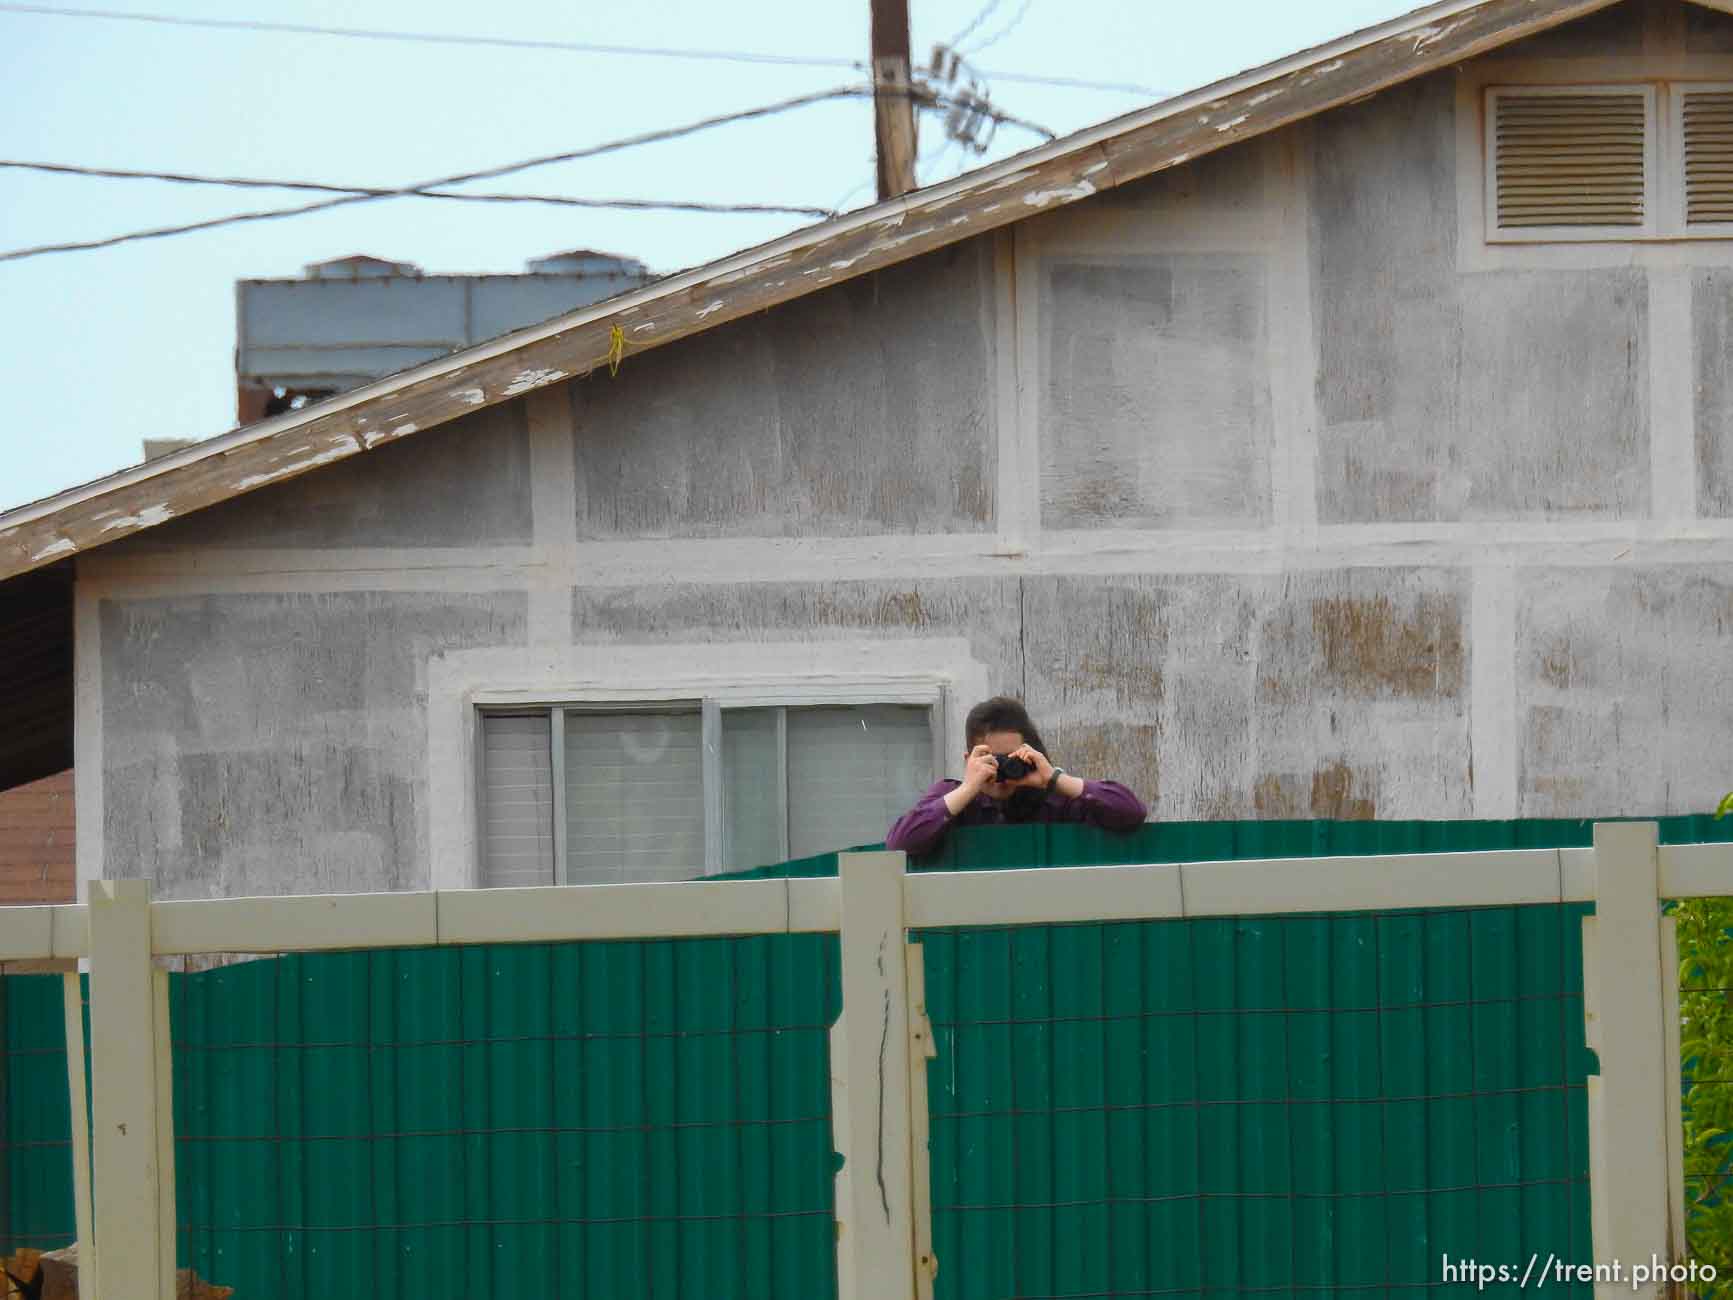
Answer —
1624 1007
876 1241
130 1124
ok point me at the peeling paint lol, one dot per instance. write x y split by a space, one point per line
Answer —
1041 198
149 517
1322 70
529 379
1232 122
647 327
714 307
343 447
1428 36
65 546
474 396
1263 97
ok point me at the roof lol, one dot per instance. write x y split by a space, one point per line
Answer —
1064 171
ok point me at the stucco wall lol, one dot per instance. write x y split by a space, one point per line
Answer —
1274 492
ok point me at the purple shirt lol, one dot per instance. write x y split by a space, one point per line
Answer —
1103 803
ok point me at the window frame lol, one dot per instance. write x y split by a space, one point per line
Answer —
1653 174
1478 245
835 669
710 709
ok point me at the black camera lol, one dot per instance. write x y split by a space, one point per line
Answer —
1012 768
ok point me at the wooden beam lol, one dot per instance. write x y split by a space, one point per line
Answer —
611 334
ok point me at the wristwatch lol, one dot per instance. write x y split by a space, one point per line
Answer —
1054 779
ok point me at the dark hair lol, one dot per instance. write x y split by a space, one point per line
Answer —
1001 713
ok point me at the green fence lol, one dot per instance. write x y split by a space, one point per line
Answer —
1246 1106
1251 1107
579 1120
35 1116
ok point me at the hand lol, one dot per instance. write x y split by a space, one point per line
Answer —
1043 773
979 769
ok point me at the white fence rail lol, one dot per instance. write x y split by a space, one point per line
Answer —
883 1242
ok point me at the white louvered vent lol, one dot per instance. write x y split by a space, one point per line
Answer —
1574 159
1707 119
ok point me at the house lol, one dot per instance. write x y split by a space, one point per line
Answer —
1351 438
352 319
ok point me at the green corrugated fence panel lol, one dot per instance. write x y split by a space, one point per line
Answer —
652 1119
581 1120
1255 1106
35 1116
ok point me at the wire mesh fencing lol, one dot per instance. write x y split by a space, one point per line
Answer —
36 1196
1258 1106
579 1119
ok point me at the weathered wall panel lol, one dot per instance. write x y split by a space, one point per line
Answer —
465 484
1712 336
984 610
866 408
1338 694
274 744
1156 395
1450 396
1625 690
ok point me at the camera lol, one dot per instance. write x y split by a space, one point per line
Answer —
1012 768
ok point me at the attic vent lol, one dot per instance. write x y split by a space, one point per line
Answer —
1574 158
1707 117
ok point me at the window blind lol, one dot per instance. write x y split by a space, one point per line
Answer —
517 798
752 792
852 771
634 797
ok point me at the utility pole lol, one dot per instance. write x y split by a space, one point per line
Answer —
893 98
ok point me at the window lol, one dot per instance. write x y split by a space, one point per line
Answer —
1651 160
1705 146
587 794
1570 162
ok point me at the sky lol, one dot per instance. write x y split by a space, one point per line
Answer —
102 349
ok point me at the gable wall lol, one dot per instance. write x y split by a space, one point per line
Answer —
1271 494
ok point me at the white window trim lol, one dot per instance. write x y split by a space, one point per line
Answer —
1652 135
1673 141
941 672
1475 251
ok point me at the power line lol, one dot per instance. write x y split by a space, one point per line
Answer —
517 43
1004 31
489 173
247 182
987 10
348 197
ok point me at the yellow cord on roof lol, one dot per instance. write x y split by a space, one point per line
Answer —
616 350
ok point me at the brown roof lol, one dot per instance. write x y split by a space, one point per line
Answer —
1064 171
